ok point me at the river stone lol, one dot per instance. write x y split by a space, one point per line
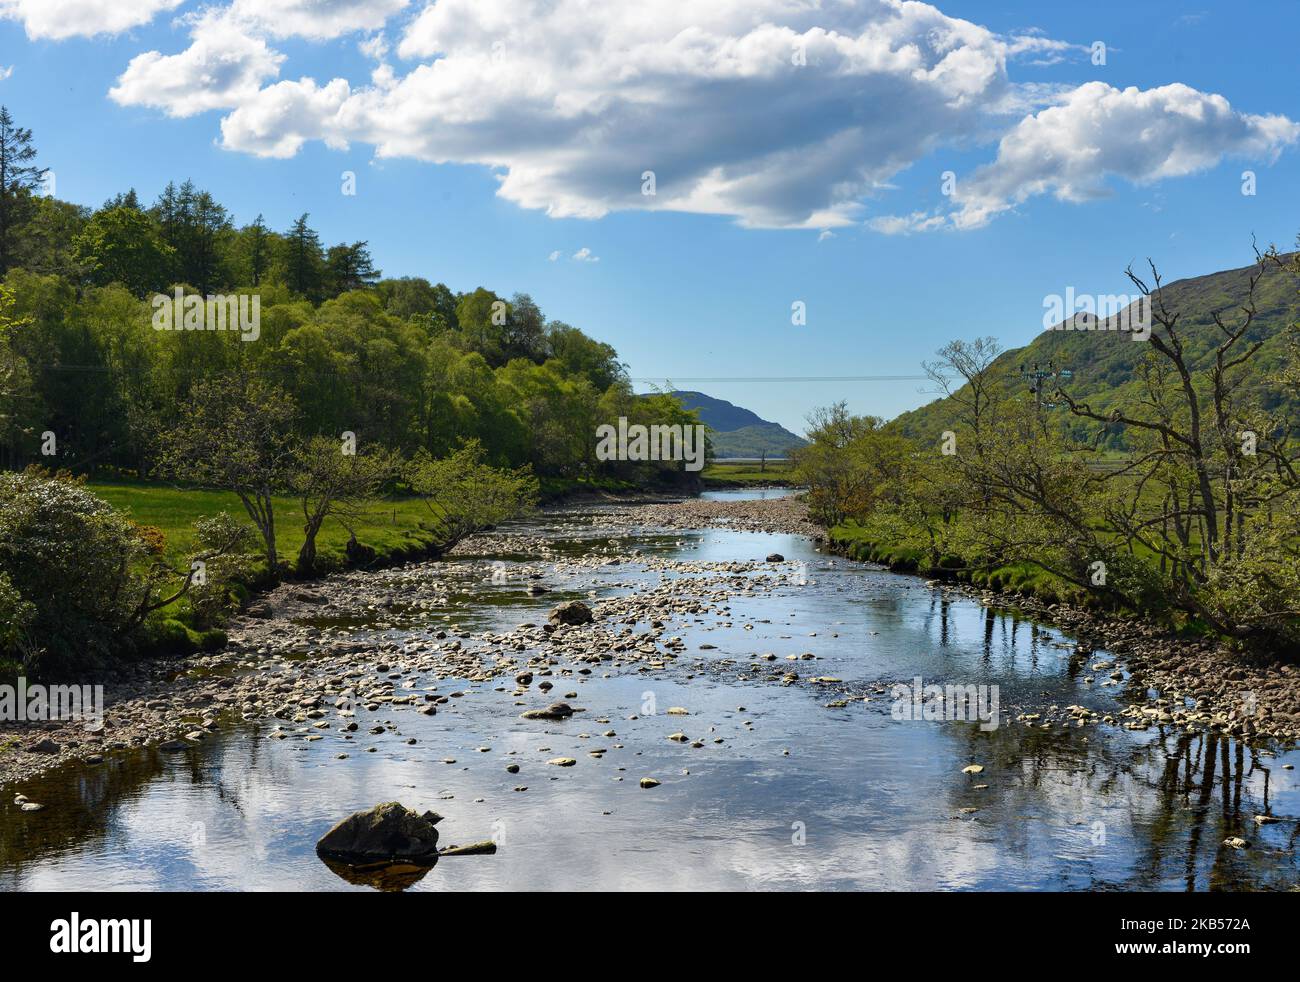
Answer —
46 746
775 557
573 613
385 833
555 711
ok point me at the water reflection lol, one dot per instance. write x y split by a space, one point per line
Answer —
796 794
385 877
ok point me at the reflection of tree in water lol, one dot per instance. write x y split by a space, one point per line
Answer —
1180 794
82 800
78 800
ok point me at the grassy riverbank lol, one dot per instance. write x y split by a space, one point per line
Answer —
1024 578
395 528
741 475
390 527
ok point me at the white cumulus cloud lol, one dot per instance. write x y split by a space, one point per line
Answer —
281 118
223 67
1099 132
317 20
777 113
56 20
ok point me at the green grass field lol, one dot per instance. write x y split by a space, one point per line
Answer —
776 472
391 528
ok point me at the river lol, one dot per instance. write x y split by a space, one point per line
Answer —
786 792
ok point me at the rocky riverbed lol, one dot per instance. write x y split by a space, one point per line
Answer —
306 658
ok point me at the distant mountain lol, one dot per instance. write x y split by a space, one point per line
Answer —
1105 364
738 432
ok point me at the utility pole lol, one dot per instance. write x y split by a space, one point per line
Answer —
1036 376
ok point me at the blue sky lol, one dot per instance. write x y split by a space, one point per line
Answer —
701 285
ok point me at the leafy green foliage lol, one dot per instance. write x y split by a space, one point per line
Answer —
69 563
465 495
1198 522
331 483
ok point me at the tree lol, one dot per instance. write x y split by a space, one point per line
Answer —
482 317
122 245
330 483
128 199
18 399
1216 475
349 267
196 227
466 496
525 330
432 305
964 373
44 241
235 434
258 241
851 464
582 355
304 265
19 178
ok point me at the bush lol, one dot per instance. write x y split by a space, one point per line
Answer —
16 616
68 562
218 594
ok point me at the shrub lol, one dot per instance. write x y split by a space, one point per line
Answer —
219 593
68 561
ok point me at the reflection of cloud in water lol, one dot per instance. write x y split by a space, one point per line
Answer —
880 801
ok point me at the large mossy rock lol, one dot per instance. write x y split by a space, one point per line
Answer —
386 833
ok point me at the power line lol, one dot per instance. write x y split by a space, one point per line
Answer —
789 378
648 380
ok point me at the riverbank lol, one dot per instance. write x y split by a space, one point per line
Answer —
295 662
1199 682
281 645
730 475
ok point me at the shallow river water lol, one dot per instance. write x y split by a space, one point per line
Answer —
796 796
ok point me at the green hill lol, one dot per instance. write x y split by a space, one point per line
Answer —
1104 363
739 432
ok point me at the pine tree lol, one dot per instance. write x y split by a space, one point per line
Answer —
303 260
19 177
259 253
350 268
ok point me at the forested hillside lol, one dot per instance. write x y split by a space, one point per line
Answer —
405 362
255 396
1104 365
739 432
